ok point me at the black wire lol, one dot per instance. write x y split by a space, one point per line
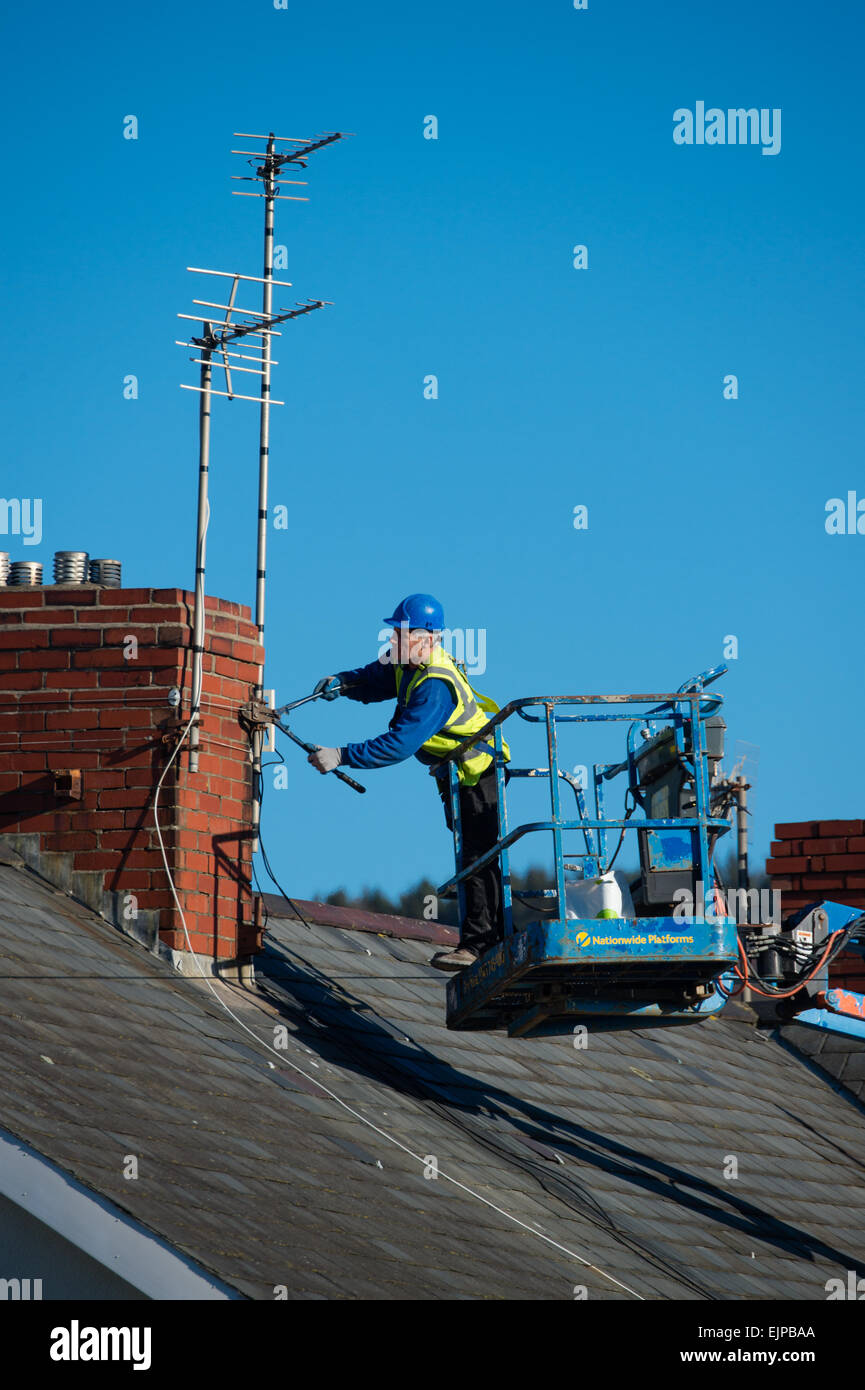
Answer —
814 955
257 883
851 929
813 958
275 762
553 912
533 907
628 815
806 963
630 1241
565 1188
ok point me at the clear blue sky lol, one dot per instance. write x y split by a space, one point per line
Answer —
557 387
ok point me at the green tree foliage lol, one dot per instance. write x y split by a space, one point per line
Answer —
419 901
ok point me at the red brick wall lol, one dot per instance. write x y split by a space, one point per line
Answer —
76 694
811 860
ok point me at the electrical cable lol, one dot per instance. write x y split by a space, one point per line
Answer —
552 911
721 988
533 907
629 1241
829 950
81 741
112 698
259 796
852 929
628 814
771 993
810 962
834 941
565 1189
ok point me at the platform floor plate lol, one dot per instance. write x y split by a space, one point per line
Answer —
656 969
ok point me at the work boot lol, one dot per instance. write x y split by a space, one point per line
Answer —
456 959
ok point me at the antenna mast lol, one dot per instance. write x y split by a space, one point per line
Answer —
268 160
216 335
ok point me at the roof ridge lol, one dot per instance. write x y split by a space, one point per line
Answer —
359 919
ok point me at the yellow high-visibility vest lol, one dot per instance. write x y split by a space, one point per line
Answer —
471 712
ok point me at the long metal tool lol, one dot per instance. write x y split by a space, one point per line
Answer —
296 704
313 748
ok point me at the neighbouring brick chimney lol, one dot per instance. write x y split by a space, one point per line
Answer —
87 726
813 860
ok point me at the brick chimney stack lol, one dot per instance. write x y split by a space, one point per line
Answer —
87 725
824 859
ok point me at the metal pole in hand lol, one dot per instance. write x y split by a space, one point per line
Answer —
314 748
295 704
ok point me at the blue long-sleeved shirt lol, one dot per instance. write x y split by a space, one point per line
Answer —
431 706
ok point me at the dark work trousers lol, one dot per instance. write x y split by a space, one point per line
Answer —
484 922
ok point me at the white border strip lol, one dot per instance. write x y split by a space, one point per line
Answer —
95 1225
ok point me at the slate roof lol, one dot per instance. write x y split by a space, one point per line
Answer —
615 1154
840 1055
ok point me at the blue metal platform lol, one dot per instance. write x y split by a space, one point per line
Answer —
544 979
652 969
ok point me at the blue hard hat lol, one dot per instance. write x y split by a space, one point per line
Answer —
418 610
